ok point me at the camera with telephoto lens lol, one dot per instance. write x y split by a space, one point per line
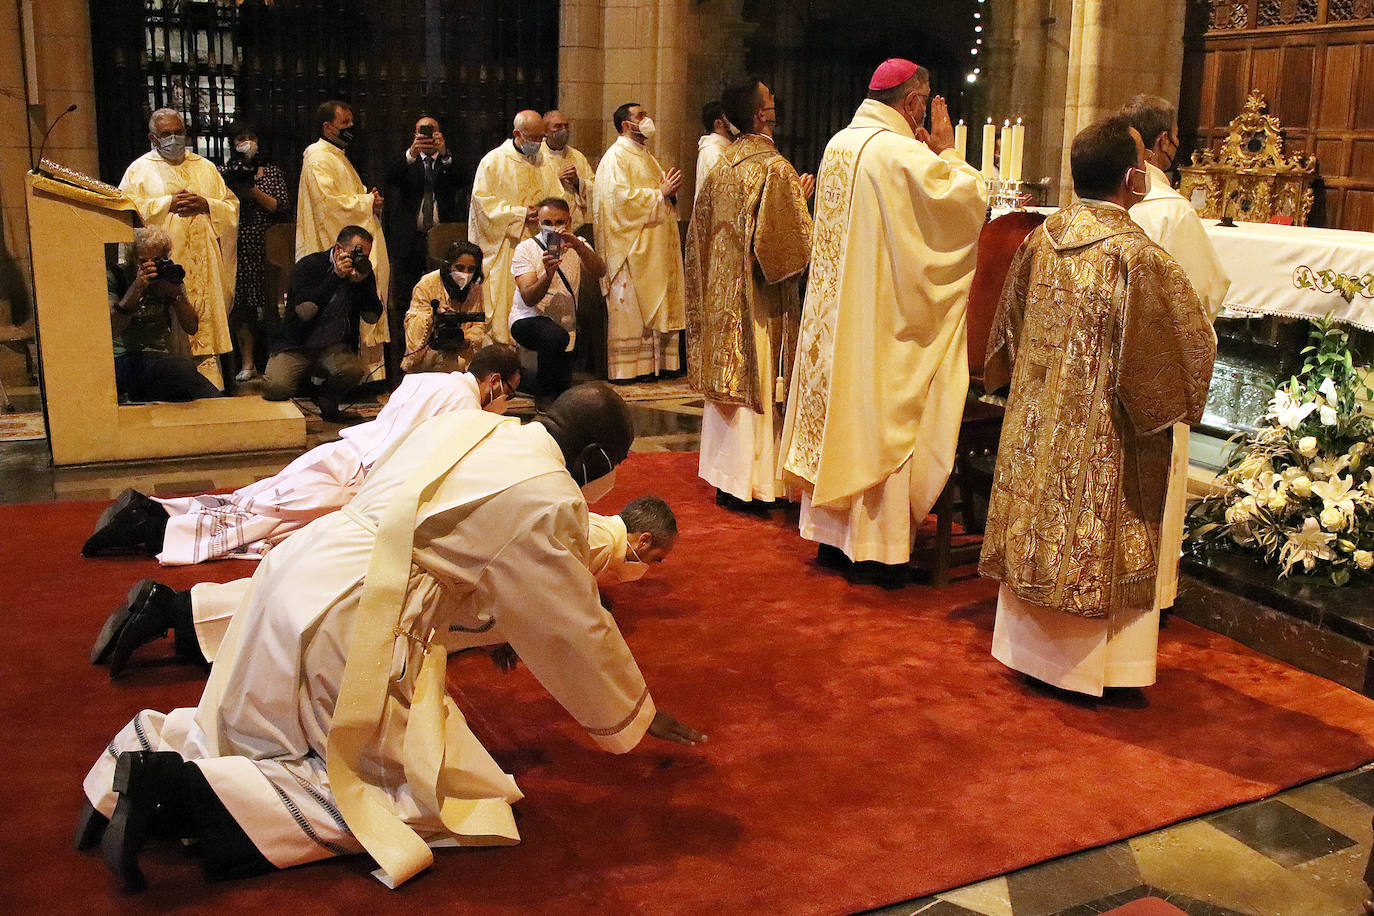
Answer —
357 258
169 270
239 172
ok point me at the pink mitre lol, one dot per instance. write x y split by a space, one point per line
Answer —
891 73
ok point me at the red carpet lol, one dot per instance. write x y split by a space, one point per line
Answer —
865 748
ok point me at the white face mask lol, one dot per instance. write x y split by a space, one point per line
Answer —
1140 187
496 401
647 128
460 278
529 148
248 148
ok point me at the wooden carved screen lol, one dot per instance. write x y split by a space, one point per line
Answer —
1314 62
471 64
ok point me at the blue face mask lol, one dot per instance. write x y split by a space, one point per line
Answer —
172 148
529 148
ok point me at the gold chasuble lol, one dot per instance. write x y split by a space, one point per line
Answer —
748 243
882 369
205 244
329 197
1106 346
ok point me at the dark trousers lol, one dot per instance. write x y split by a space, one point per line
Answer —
147 375
226 851
287 369
544 336
406 271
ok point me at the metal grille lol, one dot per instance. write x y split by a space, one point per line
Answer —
1228 15
472 65
1287 12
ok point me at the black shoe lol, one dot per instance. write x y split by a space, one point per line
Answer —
832 558
90 827
883 575
133 523
148 614
150 790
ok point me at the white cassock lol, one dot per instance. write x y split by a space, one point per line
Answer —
637 235
325 727
213 604
710 148
204 244
881 374
331 196
579 199
1171 222
506 185
248 521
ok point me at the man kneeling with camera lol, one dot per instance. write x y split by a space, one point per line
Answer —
142 318
330 292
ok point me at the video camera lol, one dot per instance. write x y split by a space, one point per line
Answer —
239 172
446 328
169 270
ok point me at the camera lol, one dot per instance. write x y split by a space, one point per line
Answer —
169 270
426 130
358 259
446 329
239 172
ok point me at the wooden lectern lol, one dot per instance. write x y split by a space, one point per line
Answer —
71 218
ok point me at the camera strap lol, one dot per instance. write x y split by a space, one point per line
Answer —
562 276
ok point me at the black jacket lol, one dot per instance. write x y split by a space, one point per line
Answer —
313 280
406 188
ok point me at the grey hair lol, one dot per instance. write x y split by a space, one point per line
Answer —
152 237
651 514
1150 116
163 113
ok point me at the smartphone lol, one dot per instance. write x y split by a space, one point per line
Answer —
553 241
426 130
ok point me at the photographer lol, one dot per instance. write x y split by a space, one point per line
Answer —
446 323
422 185
330 291
262 195
543 315
141 316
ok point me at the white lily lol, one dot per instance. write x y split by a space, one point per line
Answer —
1337 493
1328 391
1327 415
1287 410
1307 547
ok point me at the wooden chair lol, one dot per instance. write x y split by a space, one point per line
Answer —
441 236
981 426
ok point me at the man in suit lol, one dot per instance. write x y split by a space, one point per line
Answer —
422 186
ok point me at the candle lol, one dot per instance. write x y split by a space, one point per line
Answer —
1018 149
961 139
1004 159
989 142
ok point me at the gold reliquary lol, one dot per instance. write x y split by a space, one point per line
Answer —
1249 179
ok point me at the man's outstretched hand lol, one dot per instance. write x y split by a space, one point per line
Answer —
669 729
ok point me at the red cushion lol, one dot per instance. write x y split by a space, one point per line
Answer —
996 247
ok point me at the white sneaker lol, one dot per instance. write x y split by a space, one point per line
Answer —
246 375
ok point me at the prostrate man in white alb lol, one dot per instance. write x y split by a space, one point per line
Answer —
574 172
637 234
245 523
882 368
510 182
331 196
325 728
620 548
712 144
1171 222
182 194
749 241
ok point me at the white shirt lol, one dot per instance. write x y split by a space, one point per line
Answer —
560 302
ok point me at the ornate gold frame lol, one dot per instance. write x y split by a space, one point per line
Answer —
1249 178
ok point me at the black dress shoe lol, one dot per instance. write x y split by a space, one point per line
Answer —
90 827
832 558
884 575
135 781
133 523
148 615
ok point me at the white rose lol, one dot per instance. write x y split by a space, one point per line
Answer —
1291 473
1237 514
1307 446
1332 519
1301 486
1363 559
1277 501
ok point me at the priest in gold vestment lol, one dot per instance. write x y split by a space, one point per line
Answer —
1105 346
748 243
881 377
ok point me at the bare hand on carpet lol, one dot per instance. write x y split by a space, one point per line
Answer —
669 729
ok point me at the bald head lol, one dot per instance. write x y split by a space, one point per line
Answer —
531 124
593 429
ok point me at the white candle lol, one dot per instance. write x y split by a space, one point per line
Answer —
1018 149
961 139
1004 158
989 142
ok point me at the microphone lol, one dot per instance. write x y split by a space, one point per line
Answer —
38 166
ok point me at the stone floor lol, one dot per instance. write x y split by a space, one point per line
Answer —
1300 853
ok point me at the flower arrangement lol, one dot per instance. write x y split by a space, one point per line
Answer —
1299 490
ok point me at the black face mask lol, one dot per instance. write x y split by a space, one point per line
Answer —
346 136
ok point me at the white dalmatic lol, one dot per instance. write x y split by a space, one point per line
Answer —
245 523
205 244
638 237
325 727
710 148
579 198
506 185
1171 222
330 197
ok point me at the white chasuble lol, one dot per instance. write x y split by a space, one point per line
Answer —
1171 222
505 186
205 244
579 198
331 196
325 727
882 367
